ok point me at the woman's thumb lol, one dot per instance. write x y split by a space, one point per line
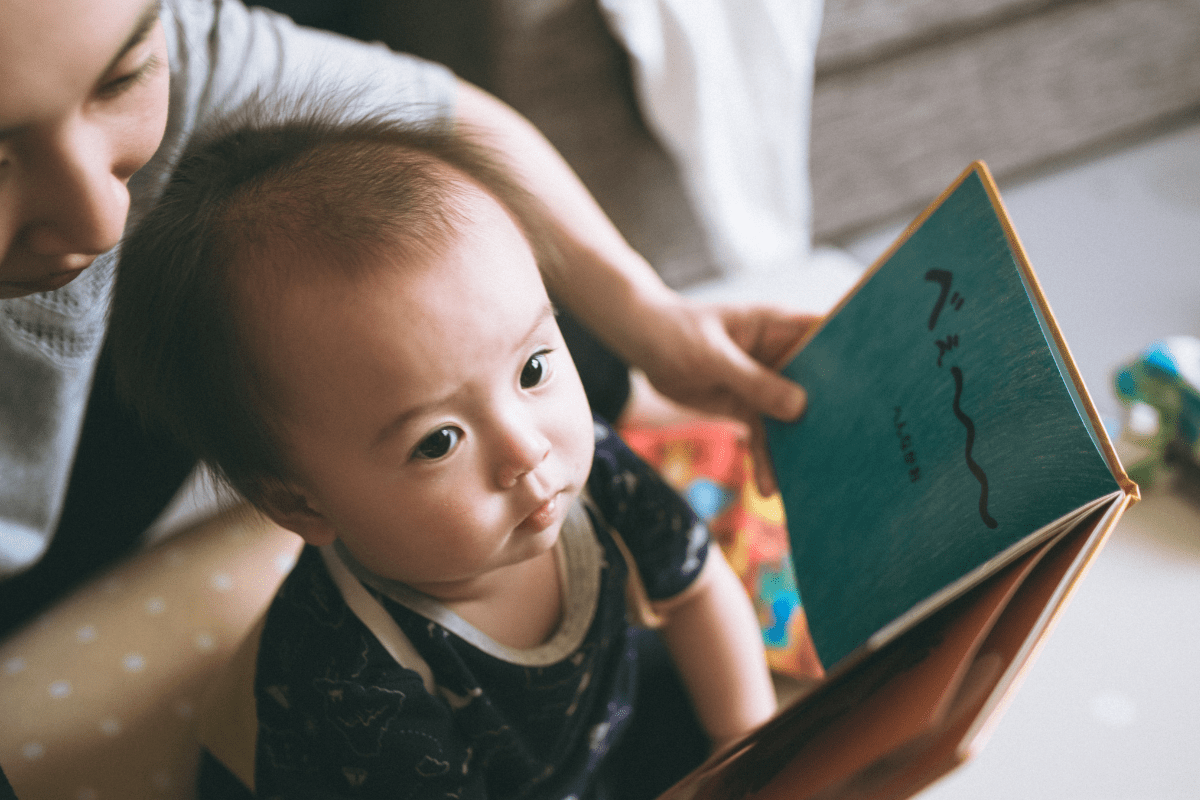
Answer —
767 392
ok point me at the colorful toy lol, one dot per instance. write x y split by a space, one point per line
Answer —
1160 390
710 464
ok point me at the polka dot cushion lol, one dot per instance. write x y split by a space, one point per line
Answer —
99 697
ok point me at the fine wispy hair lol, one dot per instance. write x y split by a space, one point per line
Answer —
246 212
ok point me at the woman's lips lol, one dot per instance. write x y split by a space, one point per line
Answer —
46 283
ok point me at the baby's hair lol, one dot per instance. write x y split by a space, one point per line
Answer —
258 207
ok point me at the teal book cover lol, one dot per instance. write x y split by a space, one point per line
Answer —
945 426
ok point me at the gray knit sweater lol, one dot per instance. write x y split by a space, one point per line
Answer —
222 56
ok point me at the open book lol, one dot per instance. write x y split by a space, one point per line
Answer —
945 490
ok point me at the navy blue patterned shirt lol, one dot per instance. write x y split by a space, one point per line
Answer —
339 717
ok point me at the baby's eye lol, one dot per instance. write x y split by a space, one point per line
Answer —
438 443
535 370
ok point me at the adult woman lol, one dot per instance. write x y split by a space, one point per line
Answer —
95 100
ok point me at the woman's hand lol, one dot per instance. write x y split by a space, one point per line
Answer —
724 359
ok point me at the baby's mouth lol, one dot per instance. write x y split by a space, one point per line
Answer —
545 514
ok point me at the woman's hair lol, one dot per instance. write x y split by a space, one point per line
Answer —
245 213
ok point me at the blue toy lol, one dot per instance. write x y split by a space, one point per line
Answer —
1160 391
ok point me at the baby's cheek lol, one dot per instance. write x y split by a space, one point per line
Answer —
586 448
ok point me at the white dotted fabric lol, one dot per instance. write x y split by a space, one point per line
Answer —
99 697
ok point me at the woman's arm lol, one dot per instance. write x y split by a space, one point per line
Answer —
714 358
715 641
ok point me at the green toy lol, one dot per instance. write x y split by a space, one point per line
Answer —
1160 391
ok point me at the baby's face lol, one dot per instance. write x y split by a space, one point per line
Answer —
432 412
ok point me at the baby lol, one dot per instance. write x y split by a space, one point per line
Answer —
349 325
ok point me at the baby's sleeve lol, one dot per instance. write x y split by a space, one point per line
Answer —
667 542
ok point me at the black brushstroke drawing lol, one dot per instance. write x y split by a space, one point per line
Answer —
976 470
945 346
943 278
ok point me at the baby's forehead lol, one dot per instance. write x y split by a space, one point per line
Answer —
405 318
314 269
314 237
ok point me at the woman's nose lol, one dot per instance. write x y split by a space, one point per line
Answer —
80 205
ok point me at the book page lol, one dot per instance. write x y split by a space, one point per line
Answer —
890 721
870 708
1000 662
940 430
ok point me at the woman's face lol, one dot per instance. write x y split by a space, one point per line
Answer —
83 105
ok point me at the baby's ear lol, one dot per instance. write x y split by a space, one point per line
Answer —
289 508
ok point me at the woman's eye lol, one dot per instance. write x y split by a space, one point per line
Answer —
535 370
123 83
437 444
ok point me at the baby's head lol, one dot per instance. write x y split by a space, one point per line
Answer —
348 322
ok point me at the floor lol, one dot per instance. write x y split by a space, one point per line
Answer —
1111 708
